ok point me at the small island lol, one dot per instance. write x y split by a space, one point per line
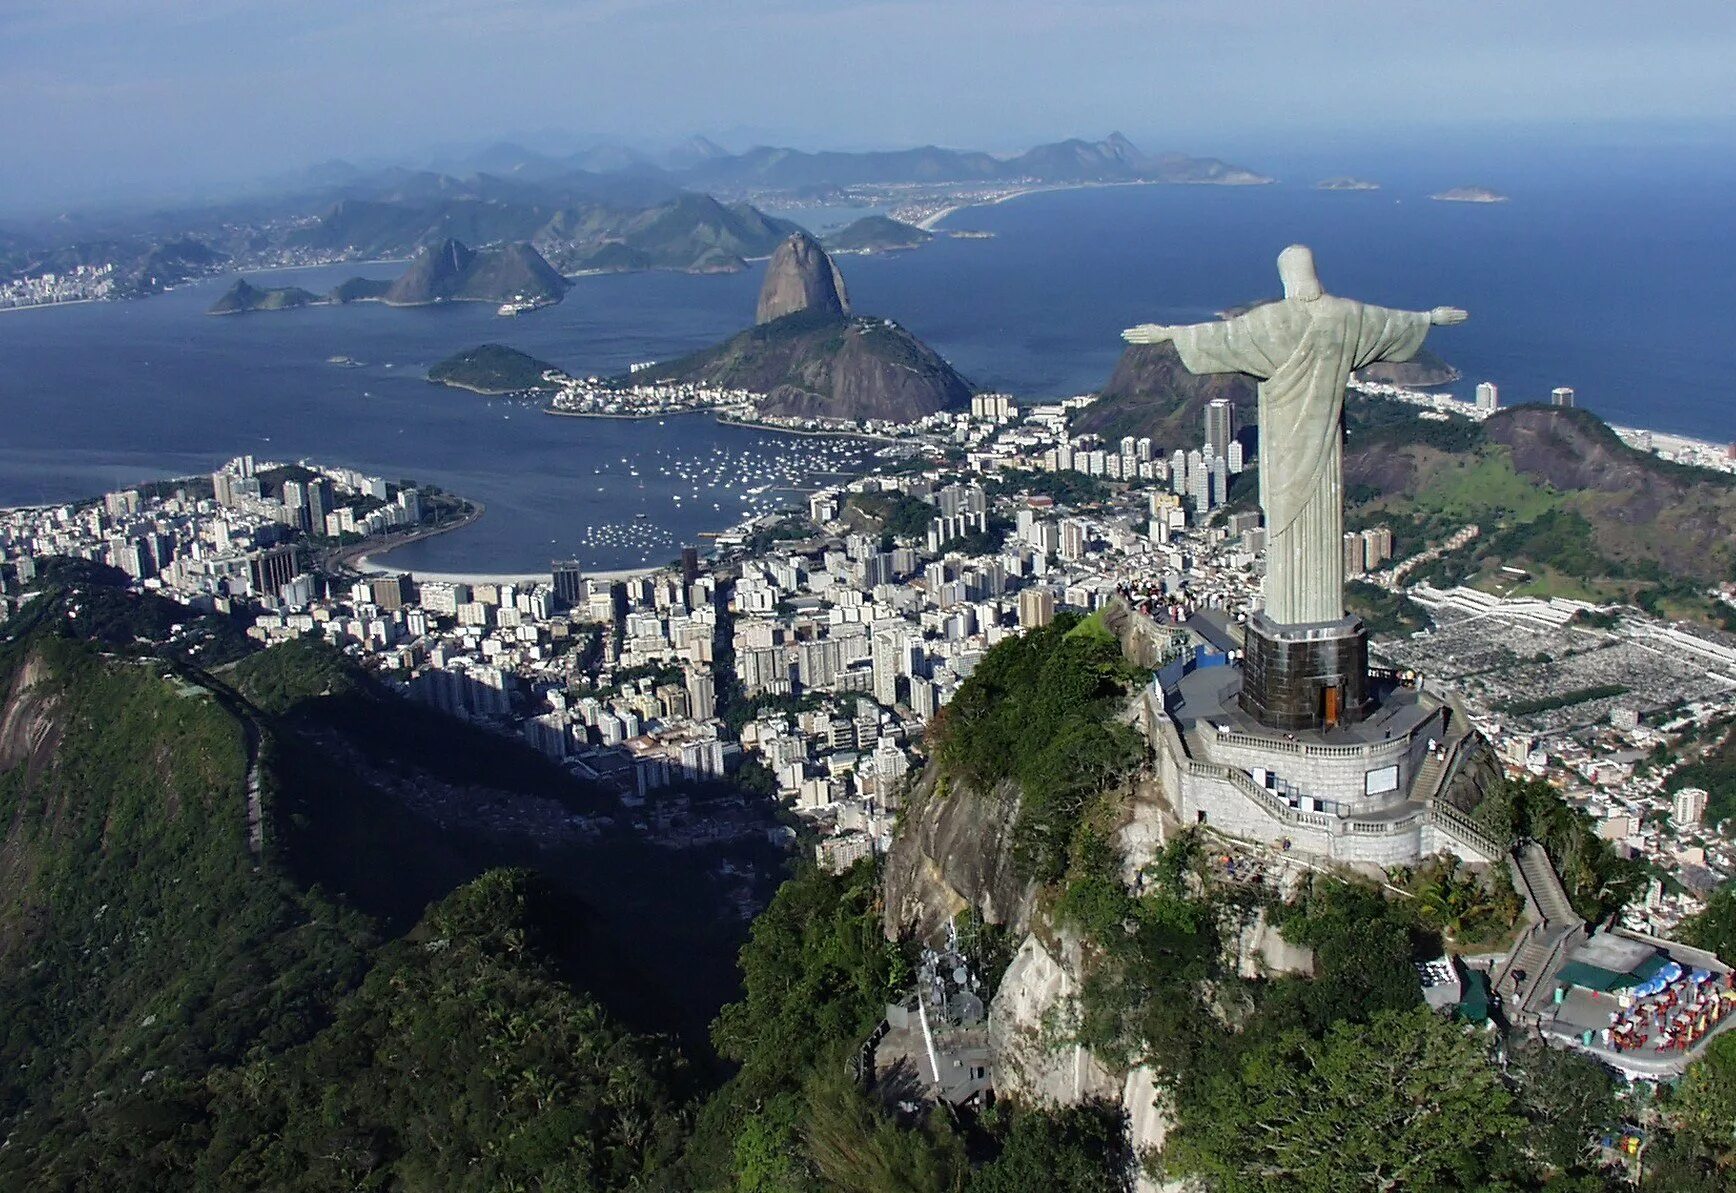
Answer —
243 297
494 369
1469 194
878 234
1346 183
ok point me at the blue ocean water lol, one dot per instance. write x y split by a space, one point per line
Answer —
1622 288
1620 284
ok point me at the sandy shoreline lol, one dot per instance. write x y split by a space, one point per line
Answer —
930 223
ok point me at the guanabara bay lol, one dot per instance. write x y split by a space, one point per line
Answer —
711 599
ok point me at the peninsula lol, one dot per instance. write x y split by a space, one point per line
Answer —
495 369
811 358
877 234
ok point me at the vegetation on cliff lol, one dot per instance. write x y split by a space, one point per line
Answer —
180 1008
817 975
1041 710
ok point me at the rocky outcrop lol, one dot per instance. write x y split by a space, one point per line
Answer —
30 726
1148 1125
801 277
452 272
1262 952
953 851
806 357
813 364
1031 1026
1032 1023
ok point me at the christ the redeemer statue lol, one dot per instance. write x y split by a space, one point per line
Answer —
1303 351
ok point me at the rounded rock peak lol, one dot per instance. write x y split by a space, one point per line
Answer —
801 276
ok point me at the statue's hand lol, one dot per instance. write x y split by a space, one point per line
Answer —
1148 333
1447 316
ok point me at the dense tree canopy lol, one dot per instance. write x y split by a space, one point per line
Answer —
1406 1101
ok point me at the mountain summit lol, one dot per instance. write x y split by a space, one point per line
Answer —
801 277
808 357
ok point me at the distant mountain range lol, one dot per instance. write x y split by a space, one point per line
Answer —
689 231
702 164
605 209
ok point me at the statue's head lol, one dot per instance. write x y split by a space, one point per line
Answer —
1296 269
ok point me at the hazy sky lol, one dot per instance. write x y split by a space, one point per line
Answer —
97 95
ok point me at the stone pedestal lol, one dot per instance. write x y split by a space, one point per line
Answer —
1306 676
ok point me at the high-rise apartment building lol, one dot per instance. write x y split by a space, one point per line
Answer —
1220 425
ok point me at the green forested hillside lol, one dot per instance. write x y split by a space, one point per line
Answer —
177 1010
143 944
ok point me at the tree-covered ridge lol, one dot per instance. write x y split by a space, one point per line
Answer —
177 1011
462 1063
1041 711
142 941
81 599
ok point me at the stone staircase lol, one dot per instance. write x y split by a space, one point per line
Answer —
1428 777
1554 924
1543 886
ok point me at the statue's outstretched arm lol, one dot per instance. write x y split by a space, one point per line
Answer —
1149 333
1161 333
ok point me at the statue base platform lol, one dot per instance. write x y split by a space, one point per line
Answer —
1305 676
1387 790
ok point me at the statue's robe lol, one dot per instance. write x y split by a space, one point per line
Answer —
1303 352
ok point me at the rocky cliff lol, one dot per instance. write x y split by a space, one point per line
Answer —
801 277
954 851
